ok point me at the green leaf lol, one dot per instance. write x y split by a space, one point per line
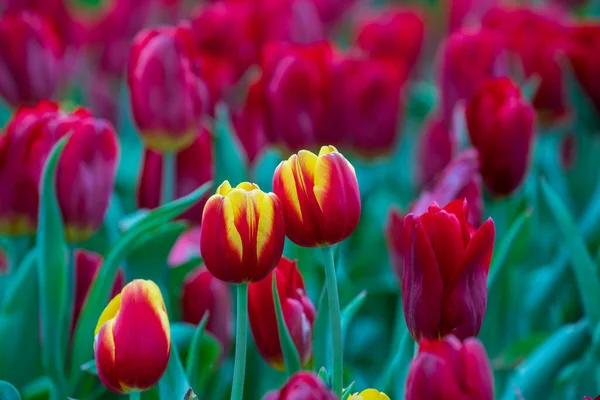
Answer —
40 389
321 334
230 162
193 355
324 376
586 116
585 270
350 311
182 334
208 353
100 288
8 392
264 167
518 351
291 358
90 367
53 274
348 391
174 383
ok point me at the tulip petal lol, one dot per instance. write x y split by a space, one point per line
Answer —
109 313
104 354
477 375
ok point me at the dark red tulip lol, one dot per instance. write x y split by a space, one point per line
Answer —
447 369
434 150
250 121
501 127
465 13
30 58
302 386
204 293
194 167
444 273
584 54
298 313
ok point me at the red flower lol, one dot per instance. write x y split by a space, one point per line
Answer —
3 262
194 167
448 370
584 54
466 12
298 313
302 386
501 128
250 121
435 149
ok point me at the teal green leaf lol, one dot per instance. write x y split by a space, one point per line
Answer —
8 392
182 334
193 354
587 118
350 311
324 376
41 388
264 168
231 163
518 351
291 358
90 367
348 391
174 383
208 353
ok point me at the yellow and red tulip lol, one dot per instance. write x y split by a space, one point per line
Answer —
369 394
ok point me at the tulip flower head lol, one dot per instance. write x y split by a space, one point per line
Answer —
369 394
133 340
242 233
302 385
584 47
319 195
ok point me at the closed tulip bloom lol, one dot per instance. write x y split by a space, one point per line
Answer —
369 394
584 47
193 168
302 386
434 150
133 339
450 370
298 314
242 233
250 121
319 196
30 58
501 127
444 275
202 293
168 99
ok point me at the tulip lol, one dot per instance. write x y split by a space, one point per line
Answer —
193 168
319 195
185 248
444 274
369 394
584 45
448 369
302 385
434 150
501 127
250 122
30 58
466 12
298 313
204 293
589 398
126 361
167 98
466 59
242 233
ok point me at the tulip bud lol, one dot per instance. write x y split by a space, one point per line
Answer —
319 196
193 168
584 47
302 385
500 124
204 293
369 394
444 275
447 369
298 313
30 58
242 233
434 150
167 98
124 362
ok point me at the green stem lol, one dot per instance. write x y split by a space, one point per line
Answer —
135 395
239 369
16 249
169 171
335 320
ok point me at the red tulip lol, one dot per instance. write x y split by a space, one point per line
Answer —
194 167
298 313
435 149
302 386
449 370
463 13
250 121
204 293
583 52
331 11
30 58
501 126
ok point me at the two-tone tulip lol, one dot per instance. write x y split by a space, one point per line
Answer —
302 385
434 150
319 196
125 361
444 272
501 127
298 314
448 369
369 394
202 293
584 54
193 168
167 97
242 233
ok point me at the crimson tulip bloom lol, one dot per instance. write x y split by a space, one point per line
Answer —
583 52
434 150
501 127
302 385
202 293
124 362
30 58
444 272
250 121
193 167
448 370
298 314
319 195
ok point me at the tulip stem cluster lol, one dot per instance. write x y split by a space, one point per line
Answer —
239 371
336 321
167 190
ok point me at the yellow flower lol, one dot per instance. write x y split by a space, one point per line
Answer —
369 394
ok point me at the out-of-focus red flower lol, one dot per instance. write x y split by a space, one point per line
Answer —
185 248
589 398
448 370
331 11
568 151
466 59
30 58
302 385
538 37
463 13
250 121
193 168
204 293
394 34
501 127
298 314
584 54
3 262
102 91
434 150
